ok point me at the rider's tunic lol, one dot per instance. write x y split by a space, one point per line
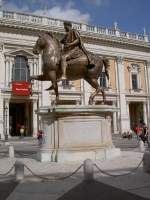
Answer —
72 52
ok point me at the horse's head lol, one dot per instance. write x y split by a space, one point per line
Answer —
40 44
46 40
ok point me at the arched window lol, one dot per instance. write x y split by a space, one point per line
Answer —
20 69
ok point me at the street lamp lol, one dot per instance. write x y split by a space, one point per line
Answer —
6 113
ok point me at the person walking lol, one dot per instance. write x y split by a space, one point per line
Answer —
144 135
138 131
40 137
22 131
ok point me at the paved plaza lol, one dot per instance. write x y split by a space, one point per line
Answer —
132 186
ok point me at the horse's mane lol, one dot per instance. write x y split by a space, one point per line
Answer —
48 34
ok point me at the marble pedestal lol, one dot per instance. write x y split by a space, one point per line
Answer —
75 133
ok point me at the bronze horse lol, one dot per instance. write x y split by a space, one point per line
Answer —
78 68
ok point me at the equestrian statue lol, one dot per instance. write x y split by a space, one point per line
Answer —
68 59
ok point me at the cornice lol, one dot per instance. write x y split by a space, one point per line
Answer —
86 39
118 52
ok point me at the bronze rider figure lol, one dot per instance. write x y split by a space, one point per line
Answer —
73 47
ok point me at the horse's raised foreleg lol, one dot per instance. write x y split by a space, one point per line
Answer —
55 87
53 78
94 84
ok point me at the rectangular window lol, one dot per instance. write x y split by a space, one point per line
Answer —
134 82
20 70
103 80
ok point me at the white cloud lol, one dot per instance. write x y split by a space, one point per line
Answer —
66 12
58 11
100 2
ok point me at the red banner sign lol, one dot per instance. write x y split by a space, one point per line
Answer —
21 88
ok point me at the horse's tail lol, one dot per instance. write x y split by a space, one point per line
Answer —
107 65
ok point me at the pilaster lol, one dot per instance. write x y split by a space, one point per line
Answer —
145 112
148 90
2 64
115 131
35 118
124 117
6 119
2 125
87 92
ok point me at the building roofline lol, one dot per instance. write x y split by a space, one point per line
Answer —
43 23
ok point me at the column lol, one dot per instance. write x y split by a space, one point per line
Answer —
31 67
6 72
86 92
128 113
115 131
148 112
2 126
2 64
27 117
39 64
35 119
6 119
2 78
35 73
40 83
124 118
145 112
11 67
31 64
148 90
82 91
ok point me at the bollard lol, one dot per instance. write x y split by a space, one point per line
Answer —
11 152
141 146
88 170
146 162
19 170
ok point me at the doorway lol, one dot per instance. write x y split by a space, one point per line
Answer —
19 115
136 113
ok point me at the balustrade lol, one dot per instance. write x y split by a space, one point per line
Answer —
59 23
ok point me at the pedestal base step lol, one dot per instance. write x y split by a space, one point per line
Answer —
63 156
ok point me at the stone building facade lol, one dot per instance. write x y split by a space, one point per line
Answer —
128 88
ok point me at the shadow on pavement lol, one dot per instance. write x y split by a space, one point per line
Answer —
98 191
6 188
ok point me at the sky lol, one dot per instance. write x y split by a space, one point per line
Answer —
131 15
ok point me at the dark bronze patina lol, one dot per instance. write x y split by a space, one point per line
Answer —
72 61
